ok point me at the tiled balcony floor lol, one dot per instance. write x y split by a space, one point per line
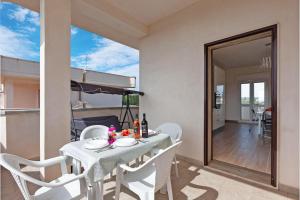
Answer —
194 183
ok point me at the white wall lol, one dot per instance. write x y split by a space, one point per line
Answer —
20 69
219 114
172 70
234 77
20 133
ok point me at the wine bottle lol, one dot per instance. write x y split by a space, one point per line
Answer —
136 127
144 127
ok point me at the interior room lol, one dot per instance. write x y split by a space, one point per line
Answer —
242 120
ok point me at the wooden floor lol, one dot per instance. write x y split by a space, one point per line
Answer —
237 146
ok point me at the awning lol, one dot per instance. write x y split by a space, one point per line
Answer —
95 89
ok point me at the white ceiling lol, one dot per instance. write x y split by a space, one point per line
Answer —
242 55
150 11
125 21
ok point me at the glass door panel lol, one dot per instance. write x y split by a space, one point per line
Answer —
245 101
252 99
259 96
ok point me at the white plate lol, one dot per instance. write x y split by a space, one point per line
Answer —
96 144
152 132
125 142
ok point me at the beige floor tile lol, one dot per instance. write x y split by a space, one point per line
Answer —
194 183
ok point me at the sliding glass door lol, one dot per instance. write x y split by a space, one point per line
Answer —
252 99
245 102
259 96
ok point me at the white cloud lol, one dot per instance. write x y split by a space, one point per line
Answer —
27 29
34 18
22 14
74 30
14 44
19 14
107 55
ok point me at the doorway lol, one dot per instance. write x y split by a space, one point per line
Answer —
241 102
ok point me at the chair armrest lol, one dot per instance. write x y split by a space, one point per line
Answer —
52 185
44 163
46 184
135 169
132 169
127 168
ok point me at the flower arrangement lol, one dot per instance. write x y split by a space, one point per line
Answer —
111 134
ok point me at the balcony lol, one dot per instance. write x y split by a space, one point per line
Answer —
173 38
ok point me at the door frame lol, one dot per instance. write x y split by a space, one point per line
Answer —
208 71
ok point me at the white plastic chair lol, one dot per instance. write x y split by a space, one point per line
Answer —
95 131
175 132
172 129
68 186
149 177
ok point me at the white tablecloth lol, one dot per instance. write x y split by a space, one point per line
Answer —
102 163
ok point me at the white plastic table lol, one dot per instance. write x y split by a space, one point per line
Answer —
103 162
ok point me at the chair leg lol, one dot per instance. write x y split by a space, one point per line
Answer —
91 193
176 167
76 166
118 183
169 188
147 195
100 190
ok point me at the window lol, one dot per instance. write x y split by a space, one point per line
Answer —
252 99
259 94
245 101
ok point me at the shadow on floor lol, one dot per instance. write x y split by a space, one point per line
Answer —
183 187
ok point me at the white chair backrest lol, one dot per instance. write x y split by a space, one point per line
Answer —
172 129
98 131
162 163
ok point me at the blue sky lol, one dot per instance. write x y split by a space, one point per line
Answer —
20 38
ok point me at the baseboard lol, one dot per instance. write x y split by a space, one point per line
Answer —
288 189
190 160
231 121
241 122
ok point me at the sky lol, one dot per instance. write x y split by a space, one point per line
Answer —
20 38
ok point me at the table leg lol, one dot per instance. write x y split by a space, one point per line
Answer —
76 166
97 191
100 190
90 193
